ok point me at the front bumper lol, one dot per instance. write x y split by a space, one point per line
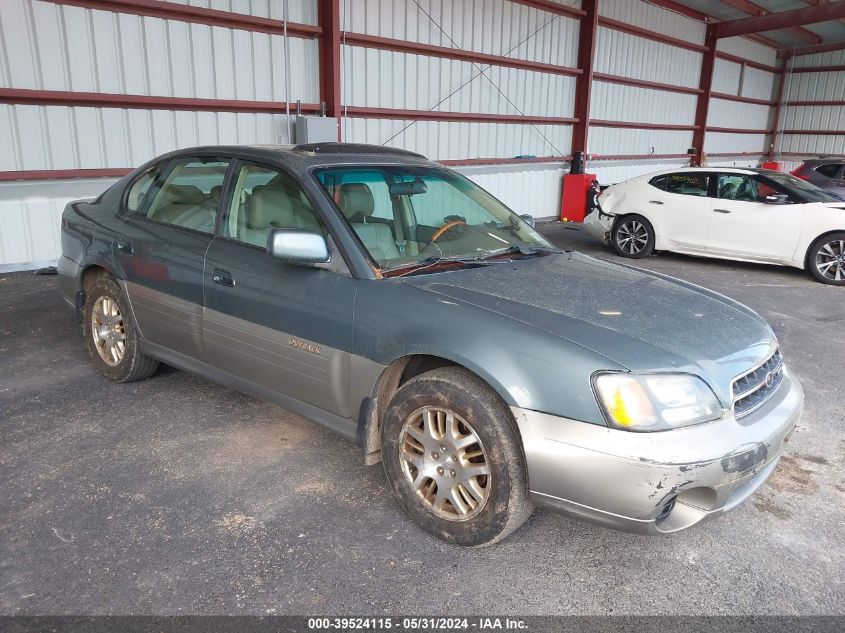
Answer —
653 483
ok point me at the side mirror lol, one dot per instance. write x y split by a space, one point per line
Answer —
528 219
777 198
298 247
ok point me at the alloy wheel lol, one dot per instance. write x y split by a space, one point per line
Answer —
830 260
108 331
632 236
445 463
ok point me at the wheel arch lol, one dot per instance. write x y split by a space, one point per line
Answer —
392 377
806 258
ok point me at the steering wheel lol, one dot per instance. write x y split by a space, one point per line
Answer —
444 228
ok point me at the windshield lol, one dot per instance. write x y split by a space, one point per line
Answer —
410 216
804 189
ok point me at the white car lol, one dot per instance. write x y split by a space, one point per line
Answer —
753 215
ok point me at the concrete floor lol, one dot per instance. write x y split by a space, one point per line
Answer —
175 496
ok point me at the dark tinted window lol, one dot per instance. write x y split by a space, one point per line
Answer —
688 184
659 182
186 193
829 170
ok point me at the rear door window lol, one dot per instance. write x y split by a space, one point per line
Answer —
659 182
186 194
688 184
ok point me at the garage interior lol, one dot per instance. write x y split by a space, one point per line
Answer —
177 496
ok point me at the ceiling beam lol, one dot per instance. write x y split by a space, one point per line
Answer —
816 48
754 10
782 20
816 2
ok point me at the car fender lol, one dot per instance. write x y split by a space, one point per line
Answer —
818 219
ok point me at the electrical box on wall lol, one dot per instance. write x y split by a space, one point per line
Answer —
315 129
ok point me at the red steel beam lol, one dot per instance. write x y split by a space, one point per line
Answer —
584 88
781 20
819 69
141 102
198 15
683 9
736 130
439 115
417 48
634 125
624 27
816 103
740 99
552 7
641 83
328 16
815 132
746 6
705 83
810 50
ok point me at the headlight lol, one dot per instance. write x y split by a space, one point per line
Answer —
655 402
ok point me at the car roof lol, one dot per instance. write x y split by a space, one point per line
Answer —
706 170
824 161
312 154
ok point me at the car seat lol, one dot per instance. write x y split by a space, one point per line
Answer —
357 203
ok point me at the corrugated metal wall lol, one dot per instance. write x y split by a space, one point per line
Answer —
49 46
815 86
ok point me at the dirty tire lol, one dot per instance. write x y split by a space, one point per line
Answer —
133 365
825 259
507 504
632 236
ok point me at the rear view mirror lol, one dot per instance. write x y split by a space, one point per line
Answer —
777 198
528 219
413 188
298 247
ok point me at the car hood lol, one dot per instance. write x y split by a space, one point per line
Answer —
641 320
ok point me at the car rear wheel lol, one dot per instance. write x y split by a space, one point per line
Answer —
111 336
633 237
826 259
454 459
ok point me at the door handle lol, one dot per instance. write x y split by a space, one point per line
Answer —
721 210
222 277
124 246
655 202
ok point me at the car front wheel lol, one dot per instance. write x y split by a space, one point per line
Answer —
454 459
826 259
111 335
633 237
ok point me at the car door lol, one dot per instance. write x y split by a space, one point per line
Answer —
170 212
680 209
745 225
837 182
283 328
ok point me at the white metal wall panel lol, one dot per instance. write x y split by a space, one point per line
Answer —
303 11
609 173
648 16
822 86
618 102
737 162
748 49
723 143
831 58
813 144
497 27
735 114
627 55
47 46
814 118
532 189
608 141
726 76
444 140
389 79
59 137
759 84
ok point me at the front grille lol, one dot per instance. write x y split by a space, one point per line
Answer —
751 390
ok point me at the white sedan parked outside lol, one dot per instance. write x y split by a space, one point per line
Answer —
753 215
